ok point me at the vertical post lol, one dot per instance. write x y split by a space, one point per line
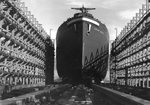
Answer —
116 32
147 5
116 55
50 32
2 87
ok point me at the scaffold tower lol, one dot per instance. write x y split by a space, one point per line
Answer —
22 47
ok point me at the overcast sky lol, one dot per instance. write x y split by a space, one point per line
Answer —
114 13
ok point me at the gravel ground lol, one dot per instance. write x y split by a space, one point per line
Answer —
77 95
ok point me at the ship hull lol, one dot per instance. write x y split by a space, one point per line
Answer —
80 42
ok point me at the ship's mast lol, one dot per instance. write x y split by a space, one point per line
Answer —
83 9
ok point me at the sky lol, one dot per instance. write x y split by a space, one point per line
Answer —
113 13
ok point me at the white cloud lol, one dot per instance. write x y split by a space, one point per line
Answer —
78 3
127 14
28 3
108 4
96 3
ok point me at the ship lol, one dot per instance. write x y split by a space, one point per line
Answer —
82 48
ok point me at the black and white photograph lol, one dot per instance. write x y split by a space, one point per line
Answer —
74 52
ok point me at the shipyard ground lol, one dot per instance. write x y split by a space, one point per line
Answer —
66 94
77 95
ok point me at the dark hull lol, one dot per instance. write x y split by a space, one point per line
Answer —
80 46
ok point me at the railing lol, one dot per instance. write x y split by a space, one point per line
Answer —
106 96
